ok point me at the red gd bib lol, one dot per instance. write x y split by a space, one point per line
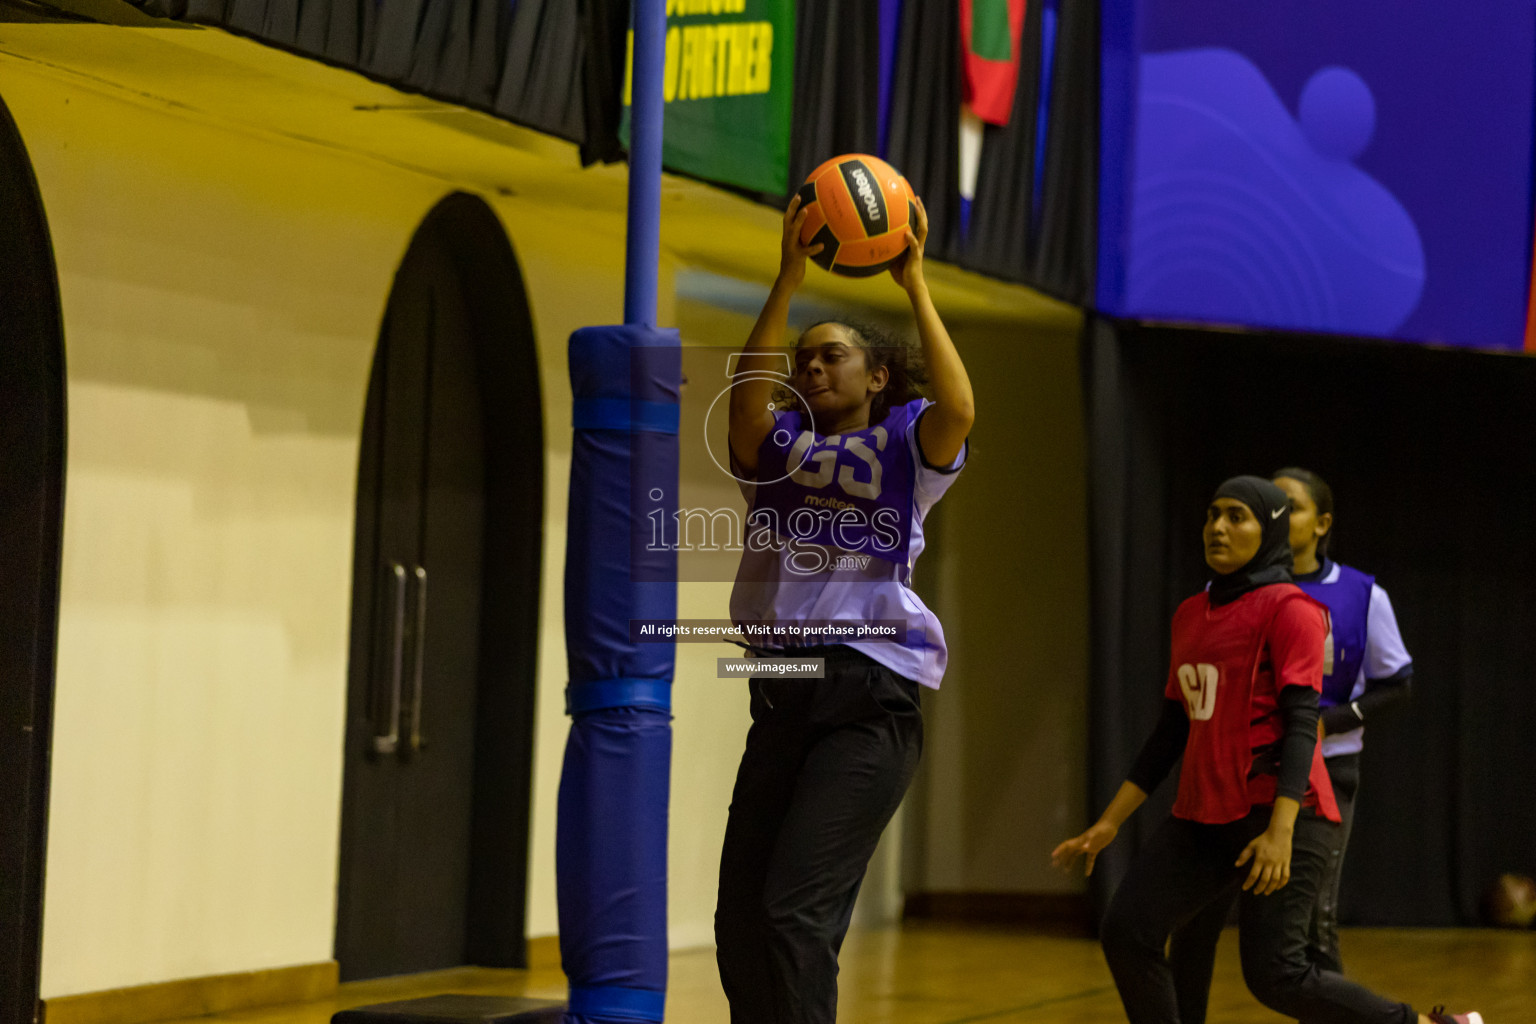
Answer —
1228 665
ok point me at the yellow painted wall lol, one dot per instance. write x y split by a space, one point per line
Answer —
1004 777
226 221
221 293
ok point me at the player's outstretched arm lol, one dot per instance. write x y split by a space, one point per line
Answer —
944 427
750 417
1102 832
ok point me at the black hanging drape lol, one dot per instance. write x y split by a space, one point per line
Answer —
837 83
558 66
1430 458
607 32
1047 239
1131 596
998 241
553 65
925 116
1064 252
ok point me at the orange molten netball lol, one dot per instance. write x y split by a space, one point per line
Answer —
860 208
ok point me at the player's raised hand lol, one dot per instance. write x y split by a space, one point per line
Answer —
1099 835
792 251
909 271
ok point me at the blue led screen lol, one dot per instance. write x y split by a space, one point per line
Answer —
1360 168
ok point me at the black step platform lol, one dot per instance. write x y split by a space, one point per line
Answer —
456 1009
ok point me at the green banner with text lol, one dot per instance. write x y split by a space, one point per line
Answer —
728 88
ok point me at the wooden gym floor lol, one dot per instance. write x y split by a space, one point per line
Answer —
943 974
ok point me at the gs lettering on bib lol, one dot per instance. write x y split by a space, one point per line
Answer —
848 491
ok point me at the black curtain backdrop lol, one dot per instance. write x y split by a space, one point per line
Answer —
1002 229
607 32
1047 241
553 65
1064 253
1430 458
558 66
925 116
837 83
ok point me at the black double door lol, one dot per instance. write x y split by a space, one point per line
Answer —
409 792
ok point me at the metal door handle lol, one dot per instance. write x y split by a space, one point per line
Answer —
388 742
417 741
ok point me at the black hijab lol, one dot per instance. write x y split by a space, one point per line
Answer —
1272 562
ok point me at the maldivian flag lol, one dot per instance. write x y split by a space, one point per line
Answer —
990 33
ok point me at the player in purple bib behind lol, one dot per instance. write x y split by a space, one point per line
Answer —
1366 669
840 461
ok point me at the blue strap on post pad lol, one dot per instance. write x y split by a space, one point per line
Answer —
618 693
617 1001
625 414
627 375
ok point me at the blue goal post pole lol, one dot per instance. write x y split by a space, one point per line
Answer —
642 250
611 817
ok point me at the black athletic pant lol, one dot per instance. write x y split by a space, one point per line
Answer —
826 765
1186 867
1192 950
1344 772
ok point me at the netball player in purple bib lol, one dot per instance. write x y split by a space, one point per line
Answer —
840 462
1366 669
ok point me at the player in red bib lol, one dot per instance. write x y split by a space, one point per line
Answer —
1255 812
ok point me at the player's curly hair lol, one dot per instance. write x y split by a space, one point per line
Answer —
908 373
